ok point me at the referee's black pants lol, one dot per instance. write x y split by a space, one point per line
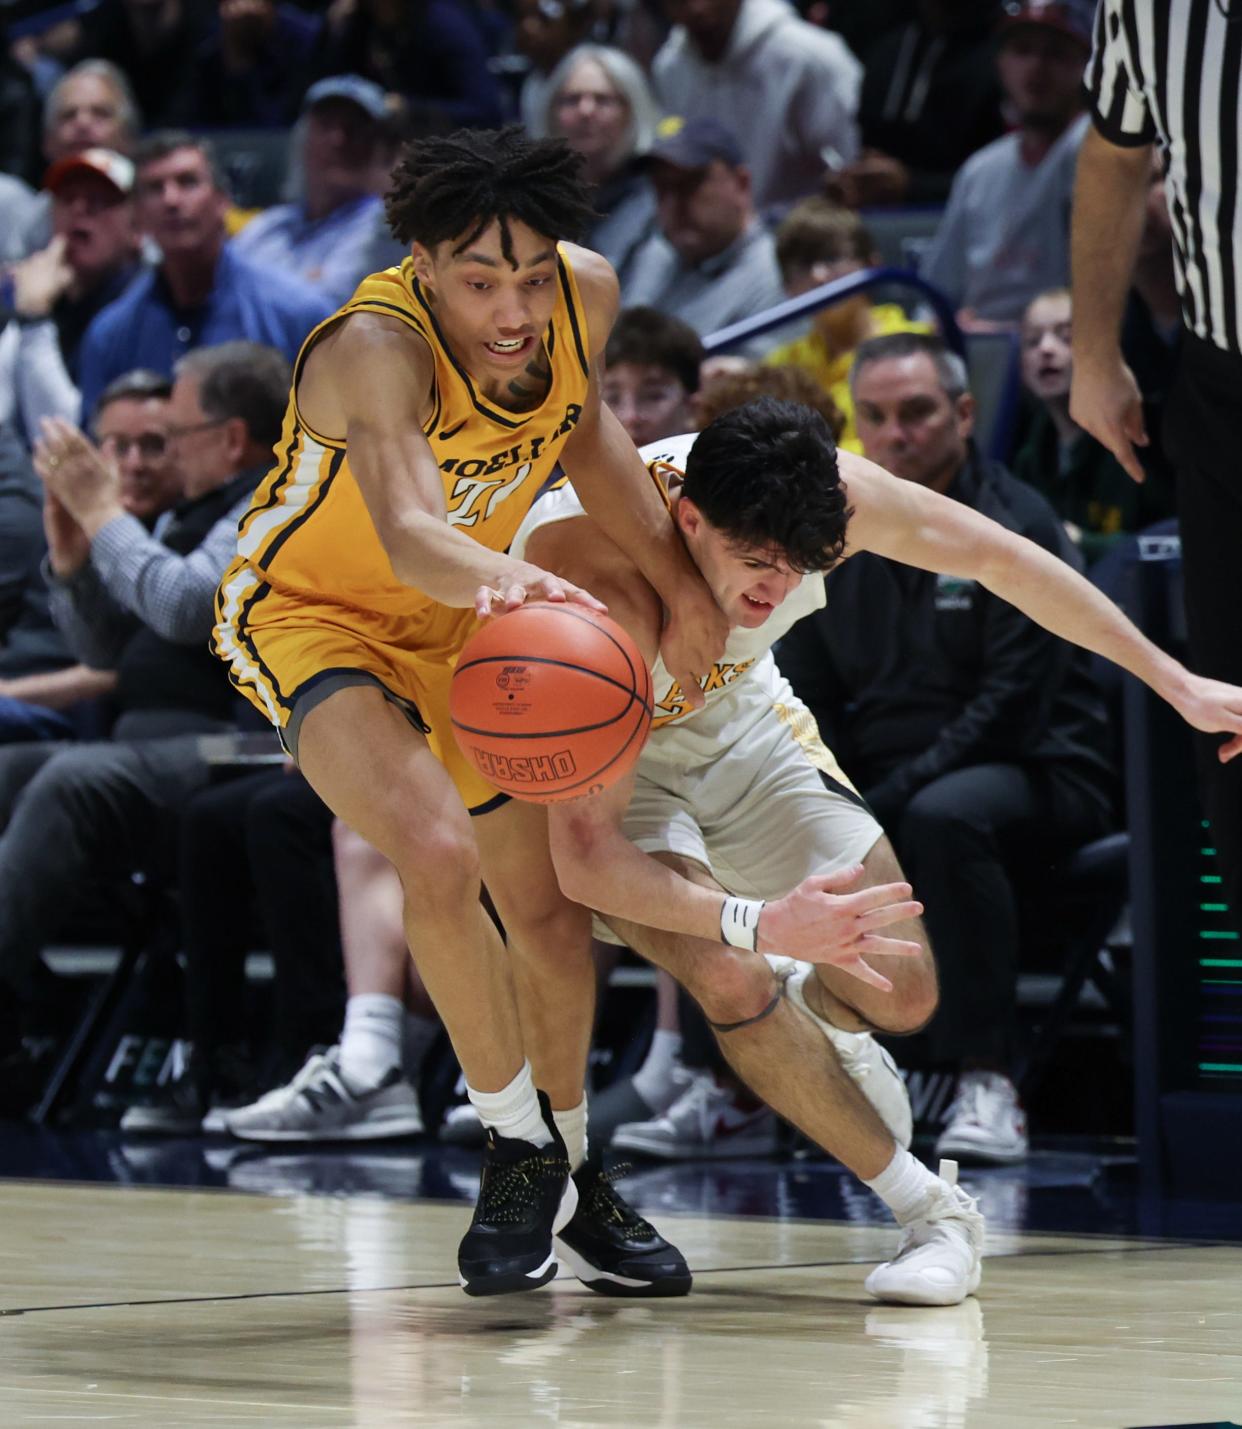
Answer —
1203 434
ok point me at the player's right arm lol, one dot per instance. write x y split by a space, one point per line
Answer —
371 378
599 867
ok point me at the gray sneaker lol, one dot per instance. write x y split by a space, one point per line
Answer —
320 1105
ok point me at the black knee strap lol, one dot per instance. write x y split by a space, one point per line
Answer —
749 1021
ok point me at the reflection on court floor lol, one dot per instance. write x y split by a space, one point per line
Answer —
176 1307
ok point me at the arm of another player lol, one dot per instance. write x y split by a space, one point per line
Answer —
905 522
599 867
613 485
371 377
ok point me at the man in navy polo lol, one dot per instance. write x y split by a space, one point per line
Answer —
202 292
326 238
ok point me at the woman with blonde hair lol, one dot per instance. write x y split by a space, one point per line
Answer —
600 102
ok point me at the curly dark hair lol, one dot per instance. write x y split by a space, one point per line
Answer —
453 188
765 474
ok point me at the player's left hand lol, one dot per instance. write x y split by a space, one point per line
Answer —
1215 708
693 639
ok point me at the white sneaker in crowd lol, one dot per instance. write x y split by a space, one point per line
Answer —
320 1105
985 1124
868 1064
706 1120
939 1260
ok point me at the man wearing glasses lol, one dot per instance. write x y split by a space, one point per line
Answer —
140 603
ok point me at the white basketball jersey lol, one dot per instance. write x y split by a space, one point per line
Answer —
743 686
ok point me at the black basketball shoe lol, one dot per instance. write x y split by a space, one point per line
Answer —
611 1248
525 1197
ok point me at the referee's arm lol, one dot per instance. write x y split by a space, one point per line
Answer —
1110 192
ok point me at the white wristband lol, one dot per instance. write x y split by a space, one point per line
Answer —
739 922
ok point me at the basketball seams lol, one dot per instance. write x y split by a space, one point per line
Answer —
559 795
628 690
637 693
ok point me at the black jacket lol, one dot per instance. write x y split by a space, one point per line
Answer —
912 675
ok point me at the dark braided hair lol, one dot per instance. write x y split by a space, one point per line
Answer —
444 188
765 474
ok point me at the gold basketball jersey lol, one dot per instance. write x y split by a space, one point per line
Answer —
308 532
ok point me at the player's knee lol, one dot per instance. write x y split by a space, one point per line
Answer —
913 1004
439 867
734 987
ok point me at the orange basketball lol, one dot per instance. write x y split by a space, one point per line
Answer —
551 702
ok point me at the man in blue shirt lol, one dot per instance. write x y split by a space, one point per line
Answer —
326 237
202 292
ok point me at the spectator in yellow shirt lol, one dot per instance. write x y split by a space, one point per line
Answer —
817 242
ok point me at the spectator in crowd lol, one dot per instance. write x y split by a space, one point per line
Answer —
795 84
976 736
91 106
1005 235
930 99
325 236
712 262
33 656
428 55
1080 479
267 838
546 32
253 70
17 202
41 688
817 242
651 373
600 103
142 605
364 1088
203 293
735 386
53 295
156 43
19 115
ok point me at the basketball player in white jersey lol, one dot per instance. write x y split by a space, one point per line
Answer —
737 828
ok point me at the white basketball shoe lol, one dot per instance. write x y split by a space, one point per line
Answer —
868 1064
986 1125
940 1258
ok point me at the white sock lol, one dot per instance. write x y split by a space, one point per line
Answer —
572 1125
903 1185
371 1039
418 1035
514 1110
652 1077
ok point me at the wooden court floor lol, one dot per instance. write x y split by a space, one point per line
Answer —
127 1306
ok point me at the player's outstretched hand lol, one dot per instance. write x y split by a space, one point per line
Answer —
525 583
820 922
1213 707
693 639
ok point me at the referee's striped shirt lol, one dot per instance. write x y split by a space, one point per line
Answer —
1167 71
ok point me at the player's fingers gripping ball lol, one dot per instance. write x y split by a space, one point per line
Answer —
551 702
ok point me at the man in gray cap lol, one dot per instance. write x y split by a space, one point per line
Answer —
712 262
325 237
1004 238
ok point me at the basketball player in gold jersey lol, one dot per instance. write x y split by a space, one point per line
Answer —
425 417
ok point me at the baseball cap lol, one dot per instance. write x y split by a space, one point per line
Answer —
114 167
365 93
694 143
1072 17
